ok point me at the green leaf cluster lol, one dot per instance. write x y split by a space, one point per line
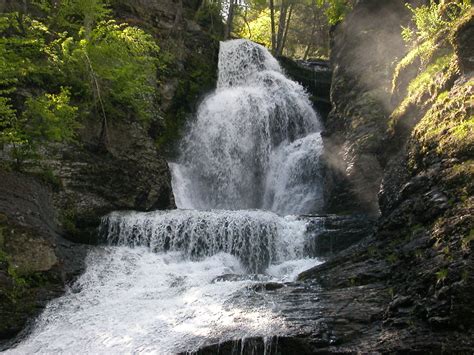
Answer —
71 60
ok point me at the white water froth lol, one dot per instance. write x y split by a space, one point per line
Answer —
173 281
134 298
257 238
255 141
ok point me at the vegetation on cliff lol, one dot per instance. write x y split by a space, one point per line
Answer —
62 62
431 57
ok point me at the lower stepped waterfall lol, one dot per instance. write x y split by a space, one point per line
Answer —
168 282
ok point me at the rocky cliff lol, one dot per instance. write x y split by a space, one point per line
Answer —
400 146
404 147
51 210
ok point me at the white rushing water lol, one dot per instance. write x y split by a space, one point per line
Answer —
166 282
255 141
173 281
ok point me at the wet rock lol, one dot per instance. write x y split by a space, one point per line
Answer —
267 286
240 277
463 43
329 234
357 125
29 253
315 76
35 261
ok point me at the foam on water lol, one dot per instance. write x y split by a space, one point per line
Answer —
255 141
257 238
173 281
133 300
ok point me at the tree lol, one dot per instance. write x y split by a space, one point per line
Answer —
45 59
298 28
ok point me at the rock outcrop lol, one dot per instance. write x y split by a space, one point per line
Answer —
50 212
418 264
365 48
315 76
35 261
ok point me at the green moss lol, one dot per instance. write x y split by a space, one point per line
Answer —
46 175
431 58
392 258
68 222
449 124
413 57
441 275
467 240
426 80
427 87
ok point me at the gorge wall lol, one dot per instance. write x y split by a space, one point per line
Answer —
49 212
402 155
408 156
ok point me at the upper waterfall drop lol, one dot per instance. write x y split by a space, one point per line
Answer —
255 141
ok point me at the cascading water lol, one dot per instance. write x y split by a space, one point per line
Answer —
255 142
173 281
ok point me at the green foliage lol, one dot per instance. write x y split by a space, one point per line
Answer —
431 57
449 124
428 32
258 30
71 60
7 113
307 34
124 60
80 15
200 77
425 80
433 19
209 15
50 117
441 275
336 10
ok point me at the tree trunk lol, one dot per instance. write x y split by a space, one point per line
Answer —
281 27
230 20
272 20
287 27
104 131
311 38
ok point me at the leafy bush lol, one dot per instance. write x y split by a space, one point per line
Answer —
71 53
336 10
433 19
50 117
430 25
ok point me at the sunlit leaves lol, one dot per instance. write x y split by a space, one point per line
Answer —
432 19
68 59
50 117
257 30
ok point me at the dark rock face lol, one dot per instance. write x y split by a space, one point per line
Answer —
464 45
315 76
365 46
193 50
77 184
35 261
330 234
130 175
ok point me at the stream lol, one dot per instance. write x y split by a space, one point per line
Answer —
168 282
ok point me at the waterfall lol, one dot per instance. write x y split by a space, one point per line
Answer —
166 282
257 238
255 141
